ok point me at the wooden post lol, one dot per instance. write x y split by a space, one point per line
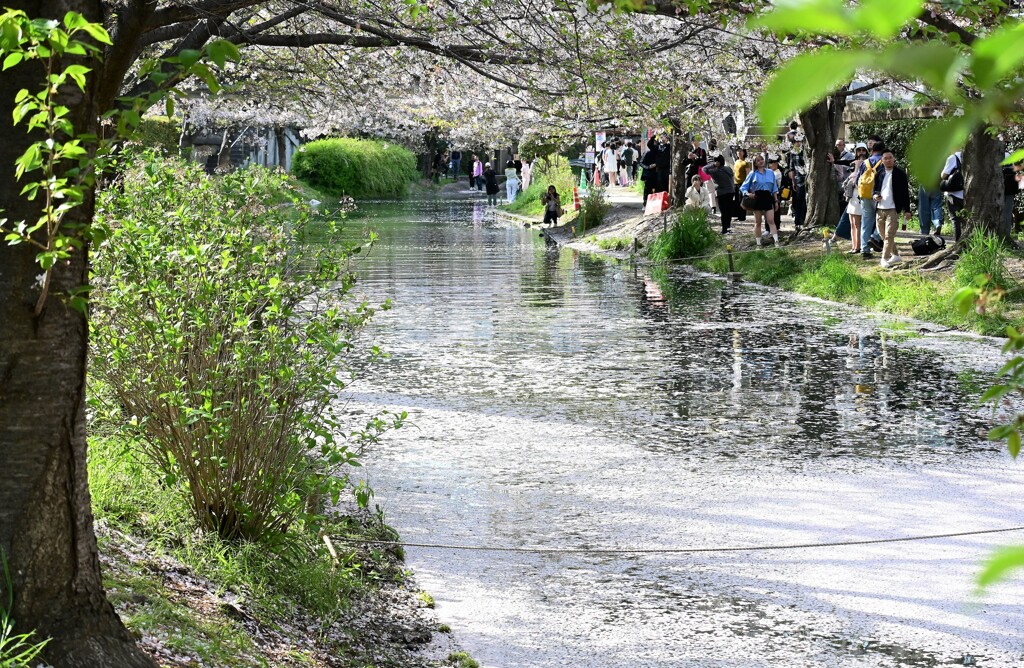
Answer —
733 276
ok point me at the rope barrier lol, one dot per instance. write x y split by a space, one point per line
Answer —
669 550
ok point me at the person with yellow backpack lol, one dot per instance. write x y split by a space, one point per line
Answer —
870 170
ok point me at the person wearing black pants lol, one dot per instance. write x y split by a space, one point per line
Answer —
725 186
663 160
650 174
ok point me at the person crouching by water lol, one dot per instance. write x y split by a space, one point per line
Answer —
697 195
761 183
490 178
511 181
552 202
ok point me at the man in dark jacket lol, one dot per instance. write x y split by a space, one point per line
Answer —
663 160
725 190
892 197
695 159
650 173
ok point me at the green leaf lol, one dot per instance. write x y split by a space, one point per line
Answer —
1000 564
77 72
997 55
1013 443
936 64
883 19
189 57
805 80
816 17
1016 156
933 144
97 32
221 51
13 59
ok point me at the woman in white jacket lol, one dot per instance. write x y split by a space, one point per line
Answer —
697 195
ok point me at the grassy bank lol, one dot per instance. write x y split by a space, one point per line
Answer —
193 599
842 278
557 173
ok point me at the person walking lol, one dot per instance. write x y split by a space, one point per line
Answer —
725 190
478 174
929 210
628 158
892 197
454 160
611 164
650 173
953 185
527 174
853 206
867 204
552 202
761 183
511 181
490 179
741 168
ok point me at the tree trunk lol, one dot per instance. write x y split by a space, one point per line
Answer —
820 123
282 150
677 184
46 524
983 185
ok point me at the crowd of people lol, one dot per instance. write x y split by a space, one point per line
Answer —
873 187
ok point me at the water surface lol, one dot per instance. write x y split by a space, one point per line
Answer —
563 400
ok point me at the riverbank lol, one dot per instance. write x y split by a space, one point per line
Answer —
191 599
802 265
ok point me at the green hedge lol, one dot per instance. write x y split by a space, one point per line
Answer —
158 133
358 168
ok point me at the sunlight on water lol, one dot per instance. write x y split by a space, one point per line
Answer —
562 400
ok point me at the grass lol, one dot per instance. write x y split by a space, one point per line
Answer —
272 580
840 278
611 243
689 235
462 660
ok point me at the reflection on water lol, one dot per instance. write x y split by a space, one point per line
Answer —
565 400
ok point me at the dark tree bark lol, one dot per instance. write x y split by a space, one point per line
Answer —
46 524
677 184
983 185
820 124
282 152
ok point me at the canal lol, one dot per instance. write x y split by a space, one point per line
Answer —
561 400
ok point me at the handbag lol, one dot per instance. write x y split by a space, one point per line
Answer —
954 182
749 202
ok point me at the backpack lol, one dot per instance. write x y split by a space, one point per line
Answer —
866 182
955 181
928 245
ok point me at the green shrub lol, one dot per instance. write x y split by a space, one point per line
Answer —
690 235
360 168
984 257
593 209
222 342
158 133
